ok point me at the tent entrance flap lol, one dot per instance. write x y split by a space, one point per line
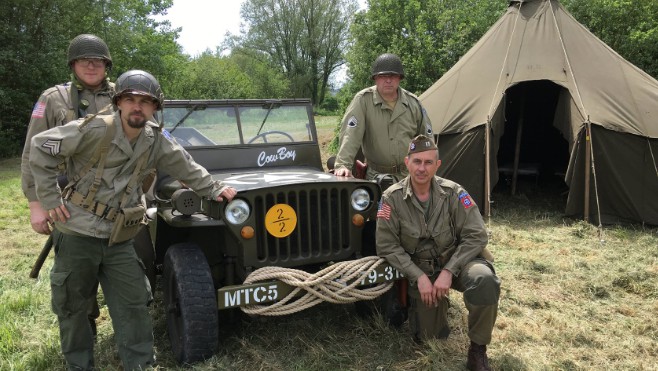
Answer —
530 145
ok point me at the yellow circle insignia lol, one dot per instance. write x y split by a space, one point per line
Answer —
280 220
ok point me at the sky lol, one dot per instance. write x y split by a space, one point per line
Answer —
204 22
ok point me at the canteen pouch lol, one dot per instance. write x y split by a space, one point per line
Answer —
127 224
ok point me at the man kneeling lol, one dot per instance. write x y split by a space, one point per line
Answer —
431 230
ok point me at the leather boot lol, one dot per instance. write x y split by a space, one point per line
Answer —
477 358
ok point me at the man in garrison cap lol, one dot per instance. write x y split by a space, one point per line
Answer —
431 230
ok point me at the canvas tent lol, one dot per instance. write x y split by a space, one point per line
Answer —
538 88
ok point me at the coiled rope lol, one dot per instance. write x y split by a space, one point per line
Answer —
335 284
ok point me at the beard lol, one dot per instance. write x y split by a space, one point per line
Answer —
136 121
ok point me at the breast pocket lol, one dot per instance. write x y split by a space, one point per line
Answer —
444 237
409 235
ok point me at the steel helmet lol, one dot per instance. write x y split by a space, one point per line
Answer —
141 83
89 46
387 64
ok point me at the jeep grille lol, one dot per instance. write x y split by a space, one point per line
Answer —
322 232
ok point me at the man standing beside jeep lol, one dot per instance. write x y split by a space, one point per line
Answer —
430 229
123 148
381 120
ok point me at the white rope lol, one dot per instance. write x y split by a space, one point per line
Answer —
330 285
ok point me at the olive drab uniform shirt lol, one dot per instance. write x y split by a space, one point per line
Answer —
452 235
383 133
55 108
76 143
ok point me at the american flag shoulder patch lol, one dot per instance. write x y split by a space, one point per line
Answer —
384 210
39 110
466 200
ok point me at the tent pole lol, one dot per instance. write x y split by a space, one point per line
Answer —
588 163
487 170
517 149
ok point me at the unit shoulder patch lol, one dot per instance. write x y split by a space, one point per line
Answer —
466 200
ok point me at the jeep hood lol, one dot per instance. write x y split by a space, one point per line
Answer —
268 178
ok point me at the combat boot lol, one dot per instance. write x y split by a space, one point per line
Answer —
477 358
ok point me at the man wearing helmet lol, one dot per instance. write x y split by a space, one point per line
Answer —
85 214
381 120
88 92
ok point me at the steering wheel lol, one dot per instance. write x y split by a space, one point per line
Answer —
272 132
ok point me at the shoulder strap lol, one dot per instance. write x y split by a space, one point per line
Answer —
98 157
141 163
66 96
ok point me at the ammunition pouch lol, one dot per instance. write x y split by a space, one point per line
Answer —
127 224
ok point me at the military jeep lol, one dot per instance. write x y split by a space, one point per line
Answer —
288 213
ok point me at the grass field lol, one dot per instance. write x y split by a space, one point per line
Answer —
573 298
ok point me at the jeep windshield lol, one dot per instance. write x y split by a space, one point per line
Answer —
243 122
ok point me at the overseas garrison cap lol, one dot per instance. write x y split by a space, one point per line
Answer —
421 143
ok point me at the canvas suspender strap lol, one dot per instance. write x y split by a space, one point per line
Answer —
105 145
71 113
99 154
133 179
97 208
99 170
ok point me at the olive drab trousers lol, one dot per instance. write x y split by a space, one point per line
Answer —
80 262
481 289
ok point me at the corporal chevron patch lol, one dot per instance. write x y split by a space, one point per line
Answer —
351 123
53 146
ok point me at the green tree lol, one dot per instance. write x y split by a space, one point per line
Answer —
236 76
428 35
35 34
305 38
267 79
210 77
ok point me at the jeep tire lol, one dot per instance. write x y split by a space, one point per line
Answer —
190 303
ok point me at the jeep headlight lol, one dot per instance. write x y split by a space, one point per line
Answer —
237 211
360 199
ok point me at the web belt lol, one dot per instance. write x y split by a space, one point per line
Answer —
96 208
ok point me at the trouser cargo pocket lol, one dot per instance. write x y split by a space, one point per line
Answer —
59 293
